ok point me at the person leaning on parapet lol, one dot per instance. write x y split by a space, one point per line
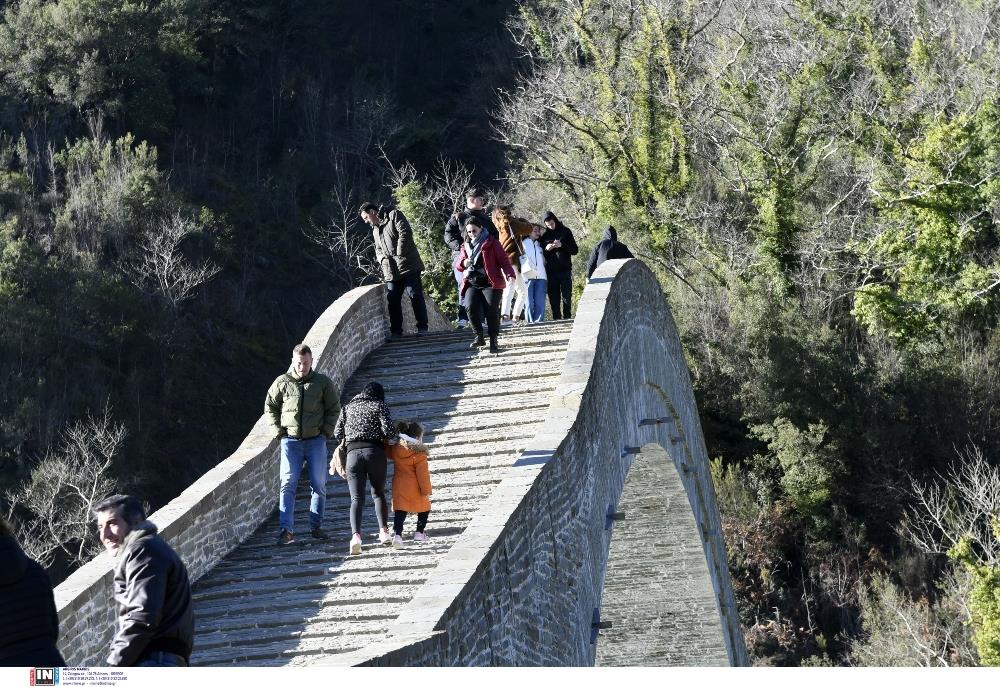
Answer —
609 248
29 624
399 258
302 408
454 236
155 616
559 247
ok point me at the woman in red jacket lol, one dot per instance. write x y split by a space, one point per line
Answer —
487 270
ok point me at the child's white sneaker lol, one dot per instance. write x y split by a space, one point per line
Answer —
384 537
397 541
355 544
419 536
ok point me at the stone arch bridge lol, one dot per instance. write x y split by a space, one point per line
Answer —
574 519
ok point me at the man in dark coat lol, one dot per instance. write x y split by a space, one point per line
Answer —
559 247
29 625
155 617
399 258
610 248
454 236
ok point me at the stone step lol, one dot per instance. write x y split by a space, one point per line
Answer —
450 378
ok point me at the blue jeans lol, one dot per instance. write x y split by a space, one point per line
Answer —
534 311
293 453
162 659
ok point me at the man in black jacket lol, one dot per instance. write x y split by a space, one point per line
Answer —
29 625
454 235
399 258
610 248
155 618
559 247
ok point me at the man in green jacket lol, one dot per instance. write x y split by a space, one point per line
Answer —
397 254
302 408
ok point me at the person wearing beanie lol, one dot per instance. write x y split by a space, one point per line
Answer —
610 248
559 247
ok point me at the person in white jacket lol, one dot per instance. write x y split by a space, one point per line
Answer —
533 273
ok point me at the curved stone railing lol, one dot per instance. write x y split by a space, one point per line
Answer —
224 507
524 583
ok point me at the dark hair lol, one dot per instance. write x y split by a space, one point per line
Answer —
475 192
374 390
302 349
550 216
474 220
129 507
409 427
368 207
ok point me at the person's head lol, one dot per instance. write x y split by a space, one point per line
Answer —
410 428
5 529
475 198
117 516
501 217
302 360
536 232
369 214
374 390
473 227
550 220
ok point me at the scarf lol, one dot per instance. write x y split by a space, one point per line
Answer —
475 248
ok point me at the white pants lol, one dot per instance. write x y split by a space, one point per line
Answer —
518 287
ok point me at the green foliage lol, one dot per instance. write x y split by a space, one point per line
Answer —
984 597
428 229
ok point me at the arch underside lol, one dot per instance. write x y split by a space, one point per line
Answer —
658 592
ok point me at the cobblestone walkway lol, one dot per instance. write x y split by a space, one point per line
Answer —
265 605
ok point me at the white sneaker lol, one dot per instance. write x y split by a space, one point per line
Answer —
355 544
384 537
461 324
397 541
419 536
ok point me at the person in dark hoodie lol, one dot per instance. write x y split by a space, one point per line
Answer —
152 591
559 247
366 426
610 248
29 625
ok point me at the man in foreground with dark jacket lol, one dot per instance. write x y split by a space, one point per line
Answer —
302 407
29 624
397 255
609 248
155 618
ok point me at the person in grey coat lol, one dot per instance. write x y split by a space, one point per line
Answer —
152 591
610 248
29 625
399 258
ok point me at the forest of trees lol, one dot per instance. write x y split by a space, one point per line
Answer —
816 182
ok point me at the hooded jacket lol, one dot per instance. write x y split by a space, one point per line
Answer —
610 248
395 249
154 599
411 478
365 419
454 232
494 261
302 407
29 625
558 259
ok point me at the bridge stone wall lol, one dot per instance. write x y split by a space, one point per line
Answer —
524 584
224 507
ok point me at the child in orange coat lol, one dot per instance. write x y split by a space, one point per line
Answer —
411 481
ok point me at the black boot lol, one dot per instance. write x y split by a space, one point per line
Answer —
479 342
493 345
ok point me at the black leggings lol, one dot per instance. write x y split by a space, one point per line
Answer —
399 517
479 299
367 464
